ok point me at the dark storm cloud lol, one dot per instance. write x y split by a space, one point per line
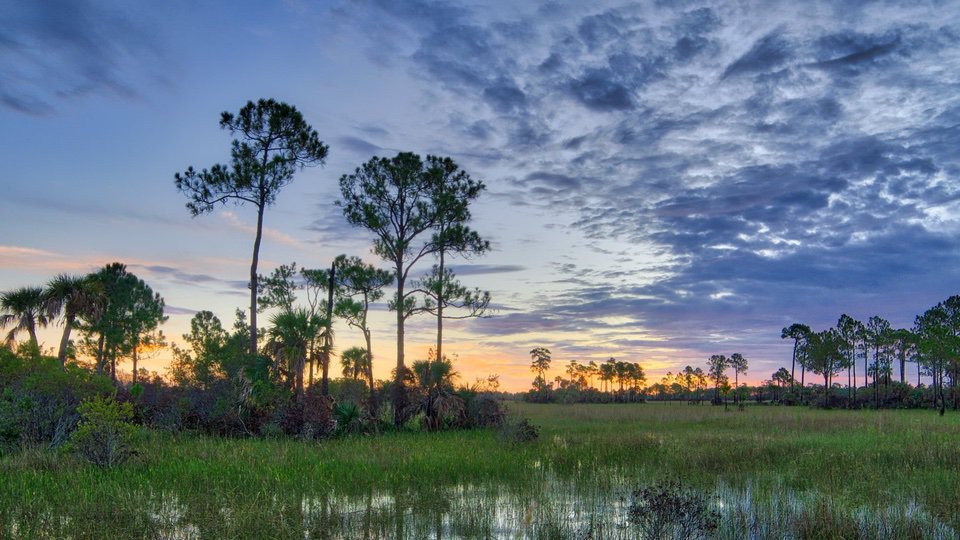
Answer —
58 50
780 166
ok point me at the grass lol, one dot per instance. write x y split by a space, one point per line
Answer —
472 484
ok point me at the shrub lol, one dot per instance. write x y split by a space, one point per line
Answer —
519 431
319 415
485 411
349 418
665 511
105 435
38 401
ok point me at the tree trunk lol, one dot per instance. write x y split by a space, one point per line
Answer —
440 308
32 330
135 357
373 394
854 364
101 361
311 357
793 367
826 390
953 386
943 401
253 277
298 376
113 363
325 383
849 385
65 341
398 390
903 366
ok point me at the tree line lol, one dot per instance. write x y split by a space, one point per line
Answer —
932 344
612 380
880 351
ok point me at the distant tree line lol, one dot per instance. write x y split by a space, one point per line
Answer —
932 346
609 381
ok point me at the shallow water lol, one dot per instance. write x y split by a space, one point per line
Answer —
586 504
553 507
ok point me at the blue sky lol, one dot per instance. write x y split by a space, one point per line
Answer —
666 180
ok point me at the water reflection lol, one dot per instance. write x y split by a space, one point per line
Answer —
589 504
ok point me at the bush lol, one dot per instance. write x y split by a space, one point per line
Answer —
485 411
665 511
349 418
519 431
319 415
39 399
105 435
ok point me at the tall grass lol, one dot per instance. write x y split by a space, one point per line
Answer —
788 468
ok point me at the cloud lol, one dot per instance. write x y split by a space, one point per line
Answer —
359 145
231 219
174 310
774 166
767 53
187 278
20 251
56 51
480 269
599 90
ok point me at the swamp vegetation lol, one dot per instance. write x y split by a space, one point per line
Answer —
769 472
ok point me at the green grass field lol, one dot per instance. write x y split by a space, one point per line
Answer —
785 470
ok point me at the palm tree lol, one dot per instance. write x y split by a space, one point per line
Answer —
354 362
434 374
71 297
435 386
290 332
23 308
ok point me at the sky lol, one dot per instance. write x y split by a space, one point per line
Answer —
665 180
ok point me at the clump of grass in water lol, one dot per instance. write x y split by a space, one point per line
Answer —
518 431
666 511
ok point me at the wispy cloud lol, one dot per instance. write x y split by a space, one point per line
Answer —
19 251
60 50
234 221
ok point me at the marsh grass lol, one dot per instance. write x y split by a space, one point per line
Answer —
778 471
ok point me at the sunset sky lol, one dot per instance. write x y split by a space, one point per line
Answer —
666 180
